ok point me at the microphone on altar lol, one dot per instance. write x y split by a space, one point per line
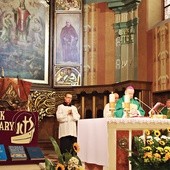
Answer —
152 111
143 103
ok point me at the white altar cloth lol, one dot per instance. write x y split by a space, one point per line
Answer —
139 120
98 141
93 141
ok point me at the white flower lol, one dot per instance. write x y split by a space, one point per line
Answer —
149 137
142 137
73 163
157 139
164 137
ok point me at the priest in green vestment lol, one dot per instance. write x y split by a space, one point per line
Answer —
166 109
134 109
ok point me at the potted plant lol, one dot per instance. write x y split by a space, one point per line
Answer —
66 161
151 151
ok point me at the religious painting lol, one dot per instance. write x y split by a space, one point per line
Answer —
68 49
67 76
68 5
24 29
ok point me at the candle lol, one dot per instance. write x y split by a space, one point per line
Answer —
127 98
2 73
111 98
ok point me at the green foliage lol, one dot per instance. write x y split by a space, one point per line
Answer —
49 165
69 160
151 151
57 150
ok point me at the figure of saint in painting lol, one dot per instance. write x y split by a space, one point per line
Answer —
69 39
22 20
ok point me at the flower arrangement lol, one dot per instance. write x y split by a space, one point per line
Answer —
151 151
66 161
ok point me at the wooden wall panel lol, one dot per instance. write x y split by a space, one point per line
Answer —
161 59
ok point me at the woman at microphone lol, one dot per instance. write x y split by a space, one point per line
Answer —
126 106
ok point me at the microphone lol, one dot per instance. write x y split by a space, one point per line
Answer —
143 103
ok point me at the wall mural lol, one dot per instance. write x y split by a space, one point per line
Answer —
24 39
67 75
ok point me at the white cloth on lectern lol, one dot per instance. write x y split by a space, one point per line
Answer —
93 141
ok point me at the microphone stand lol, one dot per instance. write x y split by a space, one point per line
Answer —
162 109
151 109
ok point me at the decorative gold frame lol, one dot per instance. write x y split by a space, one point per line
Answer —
68 42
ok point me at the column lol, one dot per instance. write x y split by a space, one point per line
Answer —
125 26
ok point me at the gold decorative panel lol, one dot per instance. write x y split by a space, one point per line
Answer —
45 102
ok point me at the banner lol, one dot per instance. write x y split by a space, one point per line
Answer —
18 128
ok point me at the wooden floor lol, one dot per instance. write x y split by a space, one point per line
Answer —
20 167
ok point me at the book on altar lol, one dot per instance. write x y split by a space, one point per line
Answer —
3 155
17 152
35 153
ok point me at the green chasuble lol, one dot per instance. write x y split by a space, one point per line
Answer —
166 111
119 110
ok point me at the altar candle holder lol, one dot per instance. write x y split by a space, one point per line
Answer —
112 103
127 105
2 72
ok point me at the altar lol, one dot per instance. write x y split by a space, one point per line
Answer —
105 142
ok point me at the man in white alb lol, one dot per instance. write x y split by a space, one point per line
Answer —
67 116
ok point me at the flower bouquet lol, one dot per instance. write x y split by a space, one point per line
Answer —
66 161
151 151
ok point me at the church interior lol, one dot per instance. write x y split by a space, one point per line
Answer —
112 44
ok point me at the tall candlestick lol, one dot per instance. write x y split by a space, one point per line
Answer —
2 73
127 98
112 103
111 97
18 87
127 104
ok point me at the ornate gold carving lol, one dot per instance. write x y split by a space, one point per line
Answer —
42 102
68 5
45 102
